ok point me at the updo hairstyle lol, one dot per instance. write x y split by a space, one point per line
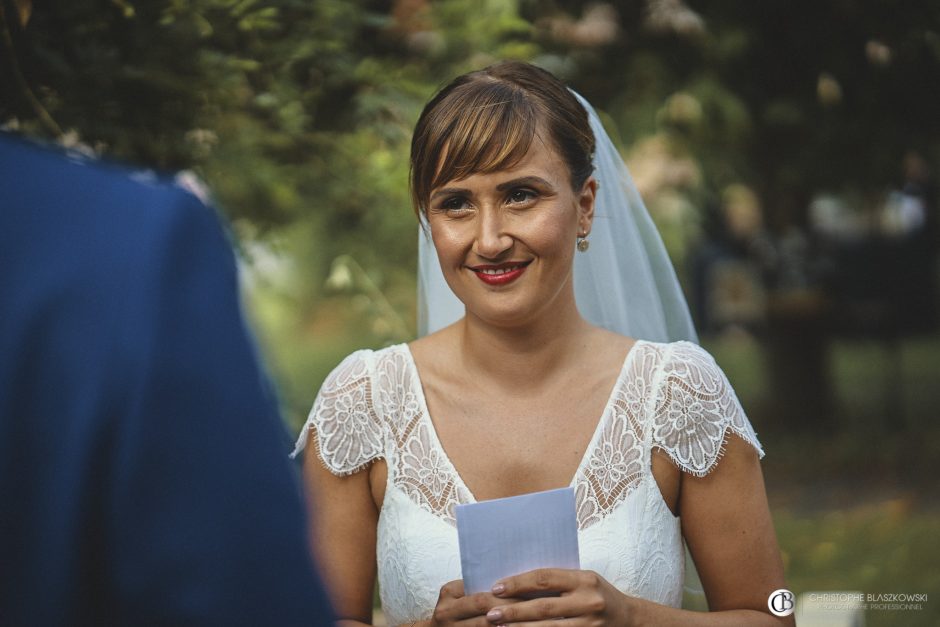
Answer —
485 121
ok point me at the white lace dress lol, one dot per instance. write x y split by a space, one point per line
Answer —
670 396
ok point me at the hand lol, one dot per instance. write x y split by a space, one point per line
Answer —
585 598
453 608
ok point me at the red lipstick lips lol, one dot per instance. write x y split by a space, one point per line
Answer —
500 273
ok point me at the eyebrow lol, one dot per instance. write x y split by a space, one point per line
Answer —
447 191
535 181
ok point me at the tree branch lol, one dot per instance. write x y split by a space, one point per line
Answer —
44 118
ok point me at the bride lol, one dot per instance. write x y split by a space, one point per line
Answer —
550 368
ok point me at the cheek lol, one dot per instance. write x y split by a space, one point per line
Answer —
449 240
551 232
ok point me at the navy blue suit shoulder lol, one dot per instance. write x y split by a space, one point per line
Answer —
143 467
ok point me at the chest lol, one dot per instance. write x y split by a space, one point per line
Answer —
504 442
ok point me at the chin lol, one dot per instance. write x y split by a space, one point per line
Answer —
502 316
505 310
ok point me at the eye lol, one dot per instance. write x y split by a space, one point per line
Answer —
454 205
521 196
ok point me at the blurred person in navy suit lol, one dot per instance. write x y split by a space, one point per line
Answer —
144 478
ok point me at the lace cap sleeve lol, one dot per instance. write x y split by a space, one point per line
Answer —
348 427
695 408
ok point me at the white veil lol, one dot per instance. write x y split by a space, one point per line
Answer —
624 283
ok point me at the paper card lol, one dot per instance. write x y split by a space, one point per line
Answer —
510 536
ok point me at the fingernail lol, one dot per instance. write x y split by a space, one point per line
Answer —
494 614
499 588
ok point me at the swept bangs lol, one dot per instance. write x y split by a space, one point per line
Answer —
477 127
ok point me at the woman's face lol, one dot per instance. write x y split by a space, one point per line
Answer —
506 239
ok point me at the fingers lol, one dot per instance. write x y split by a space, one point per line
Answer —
540 582
574 595
468 610
557 622
453 607
451 590
536 610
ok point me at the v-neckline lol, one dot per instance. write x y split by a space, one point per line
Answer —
418 389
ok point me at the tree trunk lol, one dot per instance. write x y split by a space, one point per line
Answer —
797 354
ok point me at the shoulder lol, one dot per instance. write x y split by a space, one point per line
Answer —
94 222
695 408
106 261
56 191
602 340
98 241
367 367
431 360
687 360
679 361
348 416
354 369
435 349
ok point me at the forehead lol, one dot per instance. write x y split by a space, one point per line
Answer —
540 159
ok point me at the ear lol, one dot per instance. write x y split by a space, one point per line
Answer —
586 199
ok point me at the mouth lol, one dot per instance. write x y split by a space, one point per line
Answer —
500 273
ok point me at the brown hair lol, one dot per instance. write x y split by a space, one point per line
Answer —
485 121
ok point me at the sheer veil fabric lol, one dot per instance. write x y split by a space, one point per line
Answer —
625 283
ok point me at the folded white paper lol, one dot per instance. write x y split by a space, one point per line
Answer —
510 536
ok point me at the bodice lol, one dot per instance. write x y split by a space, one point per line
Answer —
667 396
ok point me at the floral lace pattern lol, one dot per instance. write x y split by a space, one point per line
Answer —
668 396
372 406
694 410
345 418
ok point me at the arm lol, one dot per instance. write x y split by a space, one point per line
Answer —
734 548
343 527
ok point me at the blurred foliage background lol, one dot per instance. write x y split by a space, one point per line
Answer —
788 152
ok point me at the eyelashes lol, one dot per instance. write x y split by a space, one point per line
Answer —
452 206
521 196
457 205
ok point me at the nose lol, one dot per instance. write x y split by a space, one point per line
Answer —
491 240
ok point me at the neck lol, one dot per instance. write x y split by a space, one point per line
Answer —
536 347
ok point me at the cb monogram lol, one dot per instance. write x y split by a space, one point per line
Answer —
781 603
